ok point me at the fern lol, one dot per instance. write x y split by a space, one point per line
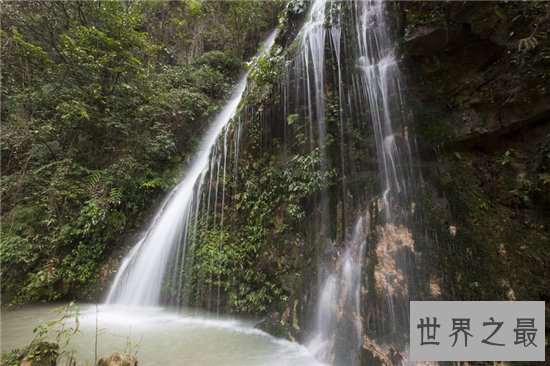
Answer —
531 42
93 181
527 44
115 196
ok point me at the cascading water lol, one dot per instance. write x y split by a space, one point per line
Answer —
313 46
140 277
376 87
380 79
369 102
337 340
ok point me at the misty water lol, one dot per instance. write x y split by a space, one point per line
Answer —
160 336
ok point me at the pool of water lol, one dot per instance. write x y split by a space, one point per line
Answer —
159 336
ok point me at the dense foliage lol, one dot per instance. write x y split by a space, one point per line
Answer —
101 102
250 259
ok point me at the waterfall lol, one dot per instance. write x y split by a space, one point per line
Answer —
313 46
337 323
376 89
140 277
345 51
380 79
337 339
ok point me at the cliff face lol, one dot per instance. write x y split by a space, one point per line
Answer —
477 104
480 70
478 88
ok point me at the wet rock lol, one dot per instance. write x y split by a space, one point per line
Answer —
273 326
118 359
40 354
429 40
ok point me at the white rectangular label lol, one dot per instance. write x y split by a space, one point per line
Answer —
477 331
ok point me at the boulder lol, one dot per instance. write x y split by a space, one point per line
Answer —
273 326
118 359
40 354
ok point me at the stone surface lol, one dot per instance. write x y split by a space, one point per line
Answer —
40 354
118 359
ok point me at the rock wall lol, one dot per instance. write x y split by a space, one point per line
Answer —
478 102
478 89
477 108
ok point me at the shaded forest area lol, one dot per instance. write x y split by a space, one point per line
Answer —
98 101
